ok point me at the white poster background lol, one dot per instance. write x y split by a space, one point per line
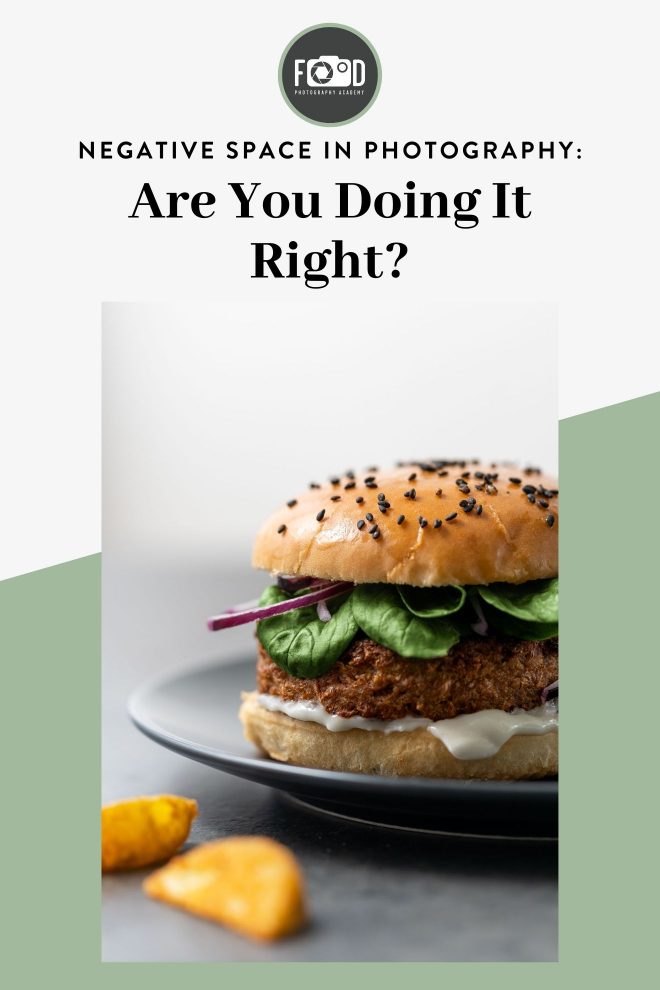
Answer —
203 70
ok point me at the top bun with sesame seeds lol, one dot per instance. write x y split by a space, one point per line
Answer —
425 523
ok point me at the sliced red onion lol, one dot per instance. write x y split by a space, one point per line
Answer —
323 612
480 627
551 691
243 607
230 617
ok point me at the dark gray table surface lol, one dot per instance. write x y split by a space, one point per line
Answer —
375 894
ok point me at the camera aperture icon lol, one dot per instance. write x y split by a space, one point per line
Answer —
329 70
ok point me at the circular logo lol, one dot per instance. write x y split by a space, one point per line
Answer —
329 74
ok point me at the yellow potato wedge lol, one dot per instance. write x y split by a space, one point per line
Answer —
142 831
249 883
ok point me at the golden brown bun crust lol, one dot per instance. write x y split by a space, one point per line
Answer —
510 539
398 754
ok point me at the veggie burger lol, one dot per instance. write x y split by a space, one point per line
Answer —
412 625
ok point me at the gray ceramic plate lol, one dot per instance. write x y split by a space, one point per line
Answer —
195 714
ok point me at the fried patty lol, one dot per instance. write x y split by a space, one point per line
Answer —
372 681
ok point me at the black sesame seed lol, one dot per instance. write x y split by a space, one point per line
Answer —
381 497
411 477
350 474
542 502
319 515
372 468
443 474
370 517
313 484
491 490
423 522
376 534
468 507
463 502
335 481
347 487
479 509
439 492
359 500
550 519
529 489
531 498
466 474
292 502
479 488
437 524
281 529
400 520
413 493
452 515
371 484
361 524
335 498
369 479
515 481
478 474
383 507
373 529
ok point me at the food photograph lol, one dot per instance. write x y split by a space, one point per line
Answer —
435 648
330 633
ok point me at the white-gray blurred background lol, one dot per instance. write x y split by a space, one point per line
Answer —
214 414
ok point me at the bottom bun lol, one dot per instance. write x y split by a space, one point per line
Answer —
395 754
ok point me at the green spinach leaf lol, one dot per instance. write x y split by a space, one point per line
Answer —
299 642
519 628
534 601
432 603
380 613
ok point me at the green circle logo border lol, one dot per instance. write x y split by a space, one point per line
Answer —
323 123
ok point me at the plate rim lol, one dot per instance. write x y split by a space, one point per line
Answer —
233 763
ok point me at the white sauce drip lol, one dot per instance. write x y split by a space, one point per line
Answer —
467 737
